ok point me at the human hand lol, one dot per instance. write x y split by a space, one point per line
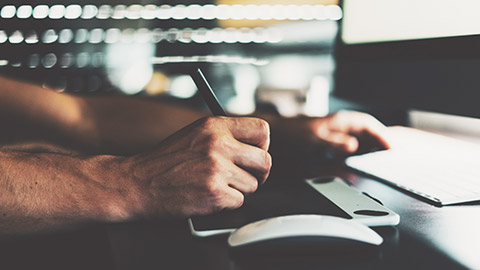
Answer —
205 167
345 132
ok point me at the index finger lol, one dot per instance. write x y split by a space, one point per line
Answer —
253 131
356 123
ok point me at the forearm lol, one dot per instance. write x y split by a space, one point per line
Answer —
41 192
32 115
127 125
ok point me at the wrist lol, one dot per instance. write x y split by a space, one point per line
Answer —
120 198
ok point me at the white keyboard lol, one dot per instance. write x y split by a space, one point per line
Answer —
440 169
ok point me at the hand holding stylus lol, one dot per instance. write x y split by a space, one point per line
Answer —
205 167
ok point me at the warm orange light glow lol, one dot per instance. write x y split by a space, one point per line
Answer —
159 83
255 23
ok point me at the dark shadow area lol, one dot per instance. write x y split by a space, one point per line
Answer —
86 248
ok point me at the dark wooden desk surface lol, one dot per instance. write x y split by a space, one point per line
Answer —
428 237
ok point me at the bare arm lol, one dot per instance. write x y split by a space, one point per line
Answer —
126 125
39 118
44 192
205 167
42 118
36 116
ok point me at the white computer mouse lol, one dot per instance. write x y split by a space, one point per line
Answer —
301 226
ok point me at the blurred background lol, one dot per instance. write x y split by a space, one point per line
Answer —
257 54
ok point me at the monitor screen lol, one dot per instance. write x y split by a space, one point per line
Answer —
389 20
408 54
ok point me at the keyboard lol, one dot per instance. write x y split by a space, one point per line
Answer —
440 169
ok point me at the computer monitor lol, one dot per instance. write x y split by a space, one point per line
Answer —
410 54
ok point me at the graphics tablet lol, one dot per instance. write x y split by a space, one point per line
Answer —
323 196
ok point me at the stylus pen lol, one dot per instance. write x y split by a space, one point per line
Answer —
207 93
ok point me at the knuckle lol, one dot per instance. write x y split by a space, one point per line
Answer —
262 132
251 185
254 186
209 144
264 126
265 171
212 165
210 122
213 141
206 138
239 202
213 188
266 163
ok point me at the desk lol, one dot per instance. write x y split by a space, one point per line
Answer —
428 237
